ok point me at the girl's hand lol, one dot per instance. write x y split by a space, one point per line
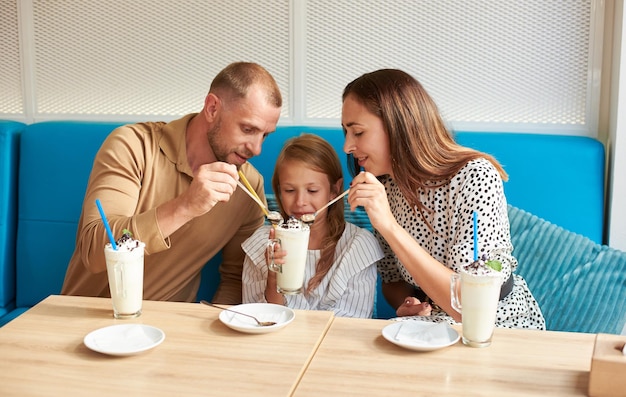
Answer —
367 191
413 307
278 253
271 292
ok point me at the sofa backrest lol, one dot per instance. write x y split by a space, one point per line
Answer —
9 139
56 159
55 162
274 143
556 177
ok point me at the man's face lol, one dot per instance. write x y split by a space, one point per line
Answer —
241 127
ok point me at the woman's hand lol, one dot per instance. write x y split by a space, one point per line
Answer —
367 191
413 307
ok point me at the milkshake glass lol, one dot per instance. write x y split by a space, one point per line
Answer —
125 273
478 304
293 238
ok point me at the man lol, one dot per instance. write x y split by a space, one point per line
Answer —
174 186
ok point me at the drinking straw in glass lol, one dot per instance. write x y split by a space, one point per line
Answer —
106 225
475 236
252 196
251 190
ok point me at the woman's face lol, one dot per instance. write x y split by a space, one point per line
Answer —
302 189
366 138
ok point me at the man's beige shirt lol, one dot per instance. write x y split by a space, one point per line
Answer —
138 167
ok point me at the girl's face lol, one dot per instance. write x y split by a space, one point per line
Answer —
303 190
366 138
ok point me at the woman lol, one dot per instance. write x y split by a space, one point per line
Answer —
420 189
340 272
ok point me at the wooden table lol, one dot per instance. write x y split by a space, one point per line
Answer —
42 353
354 359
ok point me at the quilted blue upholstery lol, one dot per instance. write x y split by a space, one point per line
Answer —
580 285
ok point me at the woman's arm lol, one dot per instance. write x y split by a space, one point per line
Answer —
432 276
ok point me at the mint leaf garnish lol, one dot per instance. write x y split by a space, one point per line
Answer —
494 264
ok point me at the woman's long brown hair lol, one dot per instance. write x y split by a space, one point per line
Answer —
423 151
317 154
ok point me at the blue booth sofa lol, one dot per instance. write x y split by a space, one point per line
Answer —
555 192
9 149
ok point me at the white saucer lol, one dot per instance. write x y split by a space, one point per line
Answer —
124 339
420 335
281 315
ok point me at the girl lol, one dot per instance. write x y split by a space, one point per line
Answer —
340 273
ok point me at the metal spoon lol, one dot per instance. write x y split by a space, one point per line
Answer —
310 218
275 218
260 323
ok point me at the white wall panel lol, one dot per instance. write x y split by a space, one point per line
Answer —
494 63
490 65
149 58
616 214
11 98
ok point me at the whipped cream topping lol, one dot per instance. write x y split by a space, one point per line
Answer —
127 243
479 267
293 224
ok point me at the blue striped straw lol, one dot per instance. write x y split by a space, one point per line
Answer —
106 225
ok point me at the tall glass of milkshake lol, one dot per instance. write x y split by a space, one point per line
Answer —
125 273
478 303
293 237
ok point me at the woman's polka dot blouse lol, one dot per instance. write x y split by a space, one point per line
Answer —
449 211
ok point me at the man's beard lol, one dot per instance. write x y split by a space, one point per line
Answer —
220 152
219 147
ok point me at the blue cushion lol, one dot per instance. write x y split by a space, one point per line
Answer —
50 206
580 285
55 163
210 278
556 177
9 141
545 171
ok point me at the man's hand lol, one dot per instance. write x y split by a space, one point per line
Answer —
211 184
